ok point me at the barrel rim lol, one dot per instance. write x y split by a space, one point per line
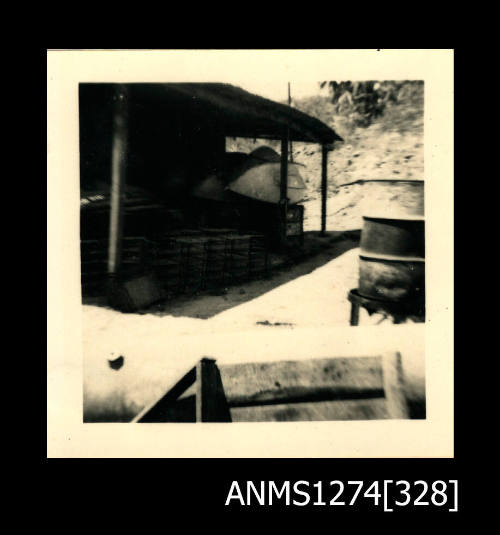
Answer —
355 294
363 180
407 180
391 217
374 257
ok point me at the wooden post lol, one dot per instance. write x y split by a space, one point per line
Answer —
206 391
394 386
118 161
284 188
324 184
290 104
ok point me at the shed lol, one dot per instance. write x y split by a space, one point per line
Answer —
163 136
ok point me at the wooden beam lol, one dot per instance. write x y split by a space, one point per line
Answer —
324 186
301 394
284 187
156 411
260 382
118 163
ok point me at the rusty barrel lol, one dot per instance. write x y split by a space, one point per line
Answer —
392 255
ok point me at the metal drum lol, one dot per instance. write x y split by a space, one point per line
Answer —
391 279
392 256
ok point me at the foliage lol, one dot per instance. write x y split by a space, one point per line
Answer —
364 101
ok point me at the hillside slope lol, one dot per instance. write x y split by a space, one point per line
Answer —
391 147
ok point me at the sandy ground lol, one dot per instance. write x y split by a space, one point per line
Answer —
317 252
158 349
317 299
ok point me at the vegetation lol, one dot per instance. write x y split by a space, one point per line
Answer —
360 104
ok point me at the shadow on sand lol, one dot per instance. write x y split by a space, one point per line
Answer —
317 251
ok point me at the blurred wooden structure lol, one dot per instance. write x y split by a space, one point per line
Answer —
165 138
356 388
181 262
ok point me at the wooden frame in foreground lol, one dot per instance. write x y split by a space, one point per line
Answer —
356 388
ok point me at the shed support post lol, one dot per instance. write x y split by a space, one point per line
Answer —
324 186
290 104
118 162
283 189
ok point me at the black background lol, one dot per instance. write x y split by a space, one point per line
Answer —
122 489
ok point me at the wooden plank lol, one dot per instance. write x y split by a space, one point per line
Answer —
299 394
256 383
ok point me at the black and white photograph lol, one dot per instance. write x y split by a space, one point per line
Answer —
257 253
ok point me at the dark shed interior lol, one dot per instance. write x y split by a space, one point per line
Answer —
144 147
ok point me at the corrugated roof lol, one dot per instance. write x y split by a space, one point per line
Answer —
238 112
